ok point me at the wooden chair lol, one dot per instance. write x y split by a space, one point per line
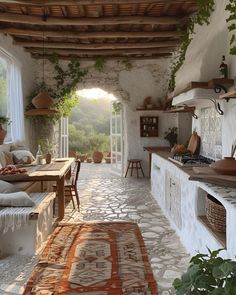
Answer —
70 185
134 164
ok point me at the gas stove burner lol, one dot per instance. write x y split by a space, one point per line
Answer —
191 160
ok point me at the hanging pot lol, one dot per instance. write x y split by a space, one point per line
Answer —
3 133
42 100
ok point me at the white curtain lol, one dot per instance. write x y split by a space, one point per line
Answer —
15 98
16 104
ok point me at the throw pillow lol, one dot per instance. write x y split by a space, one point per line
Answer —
18 199
22 157
6 187
16 147
9 158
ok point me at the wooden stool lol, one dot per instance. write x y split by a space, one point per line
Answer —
134 164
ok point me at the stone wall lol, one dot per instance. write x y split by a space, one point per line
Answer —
131 87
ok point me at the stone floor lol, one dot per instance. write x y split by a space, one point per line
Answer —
107 197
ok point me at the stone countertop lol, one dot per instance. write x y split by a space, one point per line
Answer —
215 179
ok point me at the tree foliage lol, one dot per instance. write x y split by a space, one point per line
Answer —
89 126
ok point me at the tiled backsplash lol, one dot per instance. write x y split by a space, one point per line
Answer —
211 133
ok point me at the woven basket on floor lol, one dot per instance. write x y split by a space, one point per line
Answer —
216 214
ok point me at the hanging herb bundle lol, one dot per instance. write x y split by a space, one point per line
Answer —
206 7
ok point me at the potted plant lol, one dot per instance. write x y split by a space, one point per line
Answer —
171 135
208 274
46 149
3 121
81 156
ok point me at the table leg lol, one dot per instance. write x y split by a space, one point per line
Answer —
61 197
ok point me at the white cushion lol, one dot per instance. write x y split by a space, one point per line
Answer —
6 187
18 199
23 157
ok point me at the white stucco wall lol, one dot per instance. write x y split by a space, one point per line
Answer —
131 87
27 66
202 64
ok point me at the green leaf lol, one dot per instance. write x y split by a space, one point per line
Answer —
218 291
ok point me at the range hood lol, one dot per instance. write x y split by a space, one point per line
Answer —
195 97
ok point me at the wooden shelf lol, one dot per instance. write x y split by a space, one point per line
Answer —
229 95
181 109
220 81
220 236
204 85
40 112
152 109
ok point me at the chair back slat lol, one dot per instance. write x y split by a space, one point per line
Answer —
75 173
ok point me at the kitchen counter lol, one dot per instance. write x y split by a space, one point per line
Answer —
184 201
165 153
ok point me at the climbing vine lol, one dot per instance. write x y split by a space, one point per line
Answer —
231 7
64 91
206 7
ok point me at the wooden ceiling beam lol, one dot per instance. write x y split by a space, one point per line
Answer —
92 46
132 57
76 2
124 52
90 21
86 35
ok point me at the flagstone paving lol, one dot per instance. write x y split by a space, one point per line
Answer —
107 197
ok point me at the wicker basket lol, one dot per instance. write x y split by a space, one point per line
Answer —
216 214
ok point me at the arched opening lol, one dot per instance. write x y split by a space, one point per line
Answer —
95 129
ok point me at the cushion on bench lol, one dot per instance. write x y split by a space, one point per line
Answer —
16 217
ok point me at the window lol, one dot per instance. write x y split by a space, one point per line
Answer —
11 99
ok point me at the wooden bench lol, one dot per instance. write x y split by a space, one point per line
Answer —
24 229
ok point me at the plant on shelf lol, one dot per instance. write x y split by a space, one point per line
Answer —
171 135
208 274
231 8
206 7
3 121
81 156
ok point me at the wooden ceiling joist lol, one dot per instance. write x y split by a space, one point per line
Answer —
86 35
87 21
124 52
96 45
77 2
92 58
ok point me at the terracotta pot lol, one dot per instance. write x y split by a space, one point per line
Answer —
3 133
97 157
226 166
48 158
42 100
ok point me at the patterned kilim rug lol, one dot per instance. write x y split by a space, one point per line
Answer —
94 259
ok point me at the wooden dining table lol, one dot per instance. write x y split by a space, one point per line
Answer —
56 171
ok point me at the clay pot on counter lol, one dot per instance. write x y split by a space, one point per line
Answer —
226 166
3 133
